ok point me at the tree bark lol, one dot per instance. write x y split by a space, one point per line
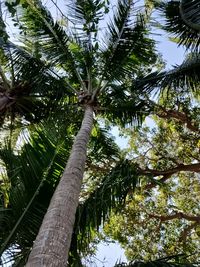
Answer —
195 167
4 101
52 244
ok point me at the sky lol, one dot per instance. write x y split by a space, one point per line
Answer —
108 255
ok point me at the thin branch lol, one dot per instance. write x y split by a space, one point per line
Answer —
180 116
161 181
186 231
168 173
63 15
176 215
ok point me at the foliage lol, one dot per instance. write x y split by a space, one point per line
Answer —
69 59
164 209
172 261
40 164
180 21
42 160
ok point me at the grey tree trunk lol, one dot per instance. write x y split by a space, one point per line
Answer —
53 241
4 101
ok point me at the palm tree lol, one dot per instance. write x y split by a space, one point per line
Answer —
42 161
95 67
28 86
182 21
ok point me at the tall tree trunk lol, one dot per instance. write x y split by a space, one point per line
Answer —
53 241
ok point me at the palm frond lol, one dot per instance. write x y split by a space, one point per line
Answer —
179 260
57 46
184 77
33 85
110 194
127 44
33 174
102 146
122 106
87 14
190 11
39 74
182 28
3 33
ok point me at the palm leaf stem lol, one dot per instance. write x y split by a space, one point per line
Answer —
122 30
50 69
3 247
63 15
99 89
4 79
12 69
89 73
192 25
68 84
116 43
57 39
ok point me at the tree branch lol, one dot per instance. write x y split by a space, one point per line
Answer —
185 232
176 215
170 113
195 167
180 116
179 215
168 173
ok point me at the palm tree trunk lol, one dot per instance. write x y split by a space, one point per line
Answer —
53 241
4 101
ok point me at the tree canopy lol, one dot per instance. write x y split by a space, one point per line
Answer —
164 210
61 67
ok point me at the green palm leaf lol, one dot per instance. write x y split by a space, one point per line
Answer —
126 42
123 105
184 77
109 195
56 44
32 85
102 146
181 17
40 164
